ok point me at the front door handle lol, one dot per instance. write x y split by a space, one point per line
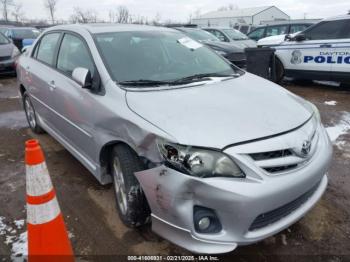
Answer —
326 45
52 85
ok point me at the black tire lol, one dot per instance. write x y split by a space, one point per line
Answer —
137 211
302 82
345 85
31 115
279 71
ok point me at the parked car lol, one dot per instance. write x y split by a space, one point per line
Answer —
217 157
279 29
232 36
274 40
321 52
232 52
244 28
21 36
8 55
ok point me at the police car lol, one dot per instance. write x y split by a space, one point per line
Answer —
321 52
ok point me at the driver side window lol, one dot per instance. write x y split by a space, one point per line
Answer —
220 35
73 53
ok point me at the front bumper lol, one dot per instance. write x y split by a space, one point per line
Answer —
7 66
237 202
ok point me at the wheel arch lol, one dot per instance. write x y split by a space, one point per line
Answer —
105 154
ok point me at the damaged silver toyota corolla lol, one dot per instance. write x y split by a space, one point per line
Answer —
215 156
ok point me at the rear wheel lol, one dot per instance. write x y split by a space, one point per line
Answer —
31 114
131 202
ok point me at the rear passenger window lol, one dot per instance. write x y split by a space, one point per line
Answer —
345 32
257 33
297 28
74 53
277 30
46 49
327 30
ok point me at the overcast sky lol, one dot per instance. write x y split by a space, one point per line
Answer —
179 10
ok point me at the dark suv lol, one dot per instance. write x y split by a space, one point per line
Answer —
231 51
280 29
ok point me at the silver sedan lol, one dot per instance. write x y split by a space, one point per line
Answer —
212 156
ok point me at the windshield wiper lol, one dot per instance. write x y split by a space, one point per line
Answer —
143 82
184 80
201 77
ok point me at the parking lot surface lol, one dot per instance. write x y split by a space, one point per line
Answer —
89 210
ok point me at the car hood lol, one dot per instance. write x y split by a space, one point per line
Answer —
244 43
227 47
219 114
6 50
274 40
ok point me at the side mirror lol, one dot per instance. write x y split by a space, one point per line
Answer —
300 37
83 77
24 49
288 38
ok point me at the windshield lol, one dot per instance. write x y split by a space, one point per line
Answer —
25 33
200 35
157 56
3 40
235 34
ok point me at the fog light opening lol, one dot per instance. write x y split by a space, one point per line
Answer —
205 220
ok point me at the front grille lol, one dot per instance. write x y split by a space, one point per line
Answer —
271 154
273 216
4 58
280 168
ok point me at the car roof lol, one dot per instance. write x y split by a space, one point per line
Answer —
339 17
18 28
108 27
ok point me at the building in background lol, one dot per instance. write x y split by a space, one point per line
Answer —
246 17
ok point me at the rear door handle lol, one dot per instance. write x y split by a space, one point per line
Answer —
52 85
326 45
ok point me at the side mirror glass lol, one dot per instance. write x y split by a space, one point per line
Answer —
300 37
83 77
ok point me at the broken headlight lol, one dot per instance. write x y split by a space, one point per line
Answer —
199 162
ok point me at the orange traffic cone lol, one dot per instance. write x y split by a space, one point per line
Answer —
47 235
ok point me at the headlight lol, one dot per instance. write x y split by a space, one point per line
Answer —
316 112
199 162
223 53
15 52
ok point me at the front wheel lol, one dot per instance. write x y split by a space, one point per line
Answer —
132 205
279 71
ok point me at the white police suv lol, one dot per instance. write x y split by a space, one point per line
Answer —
321 52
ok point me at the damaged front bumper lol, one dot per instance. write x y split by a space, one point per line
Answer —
249 209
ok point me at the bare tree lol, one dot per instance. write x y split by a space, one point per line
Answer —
50 5
156 19
5 5
123 15
228 7
18 13
190 18
111 15
83 16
